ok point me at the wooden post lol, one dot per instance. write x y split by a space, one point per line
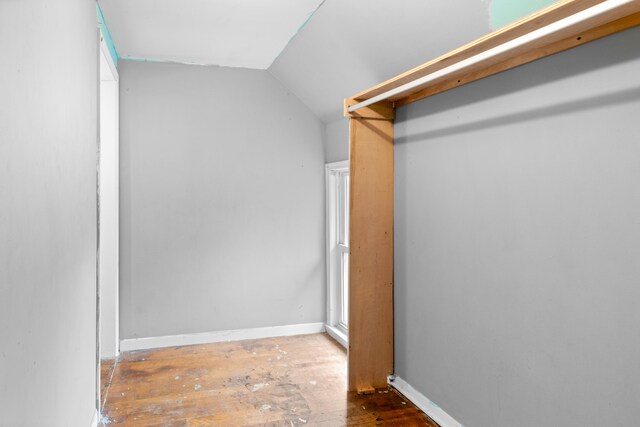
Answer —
371 247
371 152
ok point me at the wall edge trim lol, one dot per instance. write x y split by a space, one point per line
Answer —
430 408
94 420
220 336
337 335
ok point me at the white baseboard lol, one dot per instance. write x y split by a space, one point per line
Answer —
94 420
338 335
430 408
220 336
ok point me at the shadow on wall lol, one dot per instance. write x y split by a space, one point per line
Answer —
555 68
614 98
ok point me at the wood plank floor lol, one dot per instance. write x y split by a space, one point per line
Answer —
286 381
106 370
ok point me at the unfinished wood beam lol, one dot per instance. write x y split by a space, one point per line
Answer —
381 110
371 154
519 57
590 28
371 248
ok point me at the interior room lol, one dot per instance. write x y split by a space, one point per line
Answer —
319 213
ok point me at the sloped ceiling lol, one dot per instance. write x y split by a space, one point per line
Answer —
321 50
350 45
231 33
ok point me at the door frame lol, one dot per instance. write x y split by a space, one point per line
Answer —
107 211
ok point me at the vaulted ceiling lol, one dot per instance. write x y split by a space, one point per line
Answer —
321 50
350 45
230 33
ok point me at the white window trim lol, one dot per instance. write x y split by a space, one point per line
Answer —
333 326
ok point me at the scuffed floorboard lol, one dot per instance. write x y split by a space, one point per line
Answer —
285 381
106 371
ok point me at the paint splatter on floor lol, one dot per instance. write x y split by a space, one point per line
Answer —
226 384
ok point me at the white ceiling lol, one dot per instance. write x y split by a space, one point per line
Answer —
350 45
231 33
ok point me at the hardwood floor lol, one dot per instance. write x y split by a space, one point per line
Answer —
286 381
106 370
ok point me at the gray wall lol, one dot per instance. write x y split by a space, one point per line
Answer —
222 209
517 242
336 141
48 143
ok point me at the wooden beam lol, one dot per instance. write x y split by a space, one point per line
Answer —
371 153
371 253
381 110
522 56
608 23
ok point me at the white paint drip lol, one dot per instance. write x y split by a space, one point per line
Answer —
257 387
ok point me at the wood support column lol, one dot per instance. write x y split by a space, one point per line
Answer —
371 247
371 155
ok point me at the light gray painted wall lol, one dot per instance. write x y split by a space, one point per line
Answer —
517 242
109 210
222 202
351 45
336 141
48 143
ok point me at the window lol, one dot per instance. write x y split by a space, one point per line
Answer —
337 181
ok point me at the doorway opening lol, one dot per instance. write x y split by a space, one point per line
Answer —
337 203
108 223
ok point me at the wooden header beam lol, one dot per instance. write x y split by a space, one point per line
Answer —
610 22
371 155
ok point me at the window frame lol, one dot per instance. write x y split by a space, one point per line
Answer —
336 247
